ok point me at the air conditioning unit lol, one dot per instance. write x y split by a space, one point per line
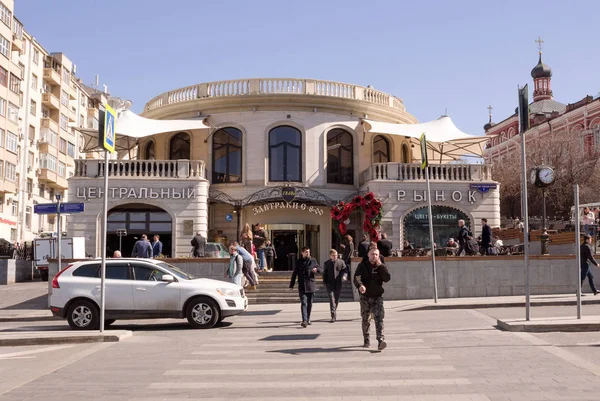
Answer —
28 168
29 195
9 201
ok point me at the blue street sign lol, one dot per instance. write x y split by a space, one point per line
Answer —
228 217
45 208
65 208
72 207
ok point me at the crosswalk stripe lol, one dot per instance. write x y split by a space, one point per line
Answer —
275 372
295 359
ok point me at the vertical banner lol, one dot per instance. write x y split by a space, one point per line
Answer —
424 160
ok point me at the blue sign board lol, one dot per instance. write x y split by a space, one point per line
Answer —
228 217
483 188
50 208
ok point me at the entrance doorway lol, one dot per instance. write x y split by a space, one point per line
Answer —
138 219
287 248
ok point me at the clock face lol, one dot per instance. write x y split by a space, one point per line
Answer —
533 176
546 175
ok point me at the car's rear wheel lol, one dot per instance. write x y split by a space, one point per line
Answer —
202 313
44 275
83 315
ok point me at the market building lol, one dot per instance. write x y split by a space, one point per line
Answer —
215 156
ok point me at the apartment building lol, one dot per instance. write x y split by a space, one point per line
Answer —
42 104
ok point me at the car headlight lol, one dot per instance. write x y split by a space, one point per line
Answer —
228 292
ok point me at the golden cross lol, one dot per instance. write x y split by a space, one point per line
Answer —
490 108
539 41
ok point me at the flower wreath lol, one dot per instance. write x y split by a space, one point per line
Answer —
368 204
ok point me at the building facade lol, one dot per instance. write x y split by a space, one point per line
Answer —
280 152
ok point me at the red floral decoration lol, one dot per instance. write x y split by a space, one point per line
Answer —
371 207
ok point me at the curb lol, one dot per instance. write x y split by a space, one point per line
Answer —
501 305
7 319
547 327
62 337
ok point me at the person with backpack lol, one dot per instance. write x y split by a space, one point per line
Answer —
236 264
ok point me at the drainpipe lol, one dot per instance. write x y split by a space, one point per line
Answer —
25 149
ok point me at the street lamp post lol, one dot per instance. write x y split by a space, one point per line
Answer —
544 236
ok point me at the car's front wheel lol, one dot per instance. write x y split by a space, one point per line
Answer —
202 313
83 315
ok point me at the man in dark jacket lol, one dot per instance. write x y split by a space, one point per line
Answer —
198 242
363 247
369 278
333 272
587 258
259 240
486 237
305 270
142 248
463 239
385 246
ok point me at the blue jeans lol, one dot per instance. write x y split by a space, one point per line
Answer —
306 300
587 272
261 258
237 279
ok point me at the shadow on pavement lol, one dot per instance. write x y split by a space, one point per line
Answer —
38 303
301 351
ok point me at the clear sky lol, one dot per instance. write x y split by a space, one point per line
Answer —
459 55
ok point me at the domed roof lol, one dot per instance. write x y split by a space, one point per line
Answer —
488 126
541 70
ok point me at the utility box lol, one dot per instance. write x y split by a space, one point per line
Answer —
47 248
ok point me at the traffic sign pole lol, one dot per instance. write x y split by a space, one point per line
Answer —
425 167
59 233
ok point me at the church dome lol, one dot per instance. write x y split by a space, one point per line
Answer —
541 70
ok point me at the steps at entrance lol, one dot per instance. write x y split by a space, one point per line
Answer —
273 288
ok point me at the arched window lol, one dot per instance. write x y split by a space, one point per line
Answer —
339 157
406 154
227 155
381 150
285 154
149 151
179 147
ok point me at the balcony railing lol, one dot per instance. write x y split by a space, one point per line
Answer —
437 172
136 169
274 86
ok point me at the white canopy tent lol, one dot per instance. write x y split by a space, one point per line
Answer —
130 128
444 139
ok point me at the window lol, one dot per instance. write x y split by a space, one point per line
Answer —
36 56
21 71
179 147
29 186
13 112
11 142
285 154
141 273
381 150
71 149
66 76
34 82
13 234
42 190
406 158
1 137
15 83
51 194
227 155
62 169
15 208
49 136
10 172
64 98
339 157
48 161
3 76
31 133
28 217
18 29
2 107
30 160
33 108
149 151
81 121
1 169
117 271
90 270
5 15
4 45
62 145
64 122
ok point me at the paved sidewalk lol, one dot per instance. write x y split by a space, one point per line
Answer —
24 302
19 338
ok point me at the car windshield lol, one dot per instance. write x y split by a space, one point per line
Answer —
177 271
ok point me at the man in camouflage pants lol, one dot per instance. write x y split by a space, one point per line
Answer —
369 278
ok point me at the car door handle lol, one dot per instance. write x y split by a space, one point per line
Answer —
140 289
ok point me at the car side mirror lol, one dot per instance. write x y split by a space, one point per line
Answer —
167 278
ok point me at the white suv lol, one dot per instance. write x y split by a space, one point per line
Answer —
141 289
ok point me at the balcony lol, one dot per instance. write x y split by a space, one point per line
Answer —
17 44
51 76
52 179
50 101
92 112
47 122
140 169
72 114
8 186
437 172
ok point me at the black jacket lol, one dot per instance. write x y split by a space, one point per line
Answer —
333 273
363 249
463 233
586 255
486 236
348 252
198 242
306 277
385 247
372 277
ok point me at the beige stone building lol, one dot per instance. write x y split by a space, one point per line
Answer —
262 137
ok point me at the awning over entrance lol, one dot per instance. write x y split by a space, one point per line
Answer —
444 139
281 194
130 128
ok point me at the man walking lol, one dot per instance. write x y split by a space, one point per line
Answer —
156 246
198 242
363 247
463 239
385 246
305 270
369 278
142 248
333 272
236 264
486 238
259 239
586 259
